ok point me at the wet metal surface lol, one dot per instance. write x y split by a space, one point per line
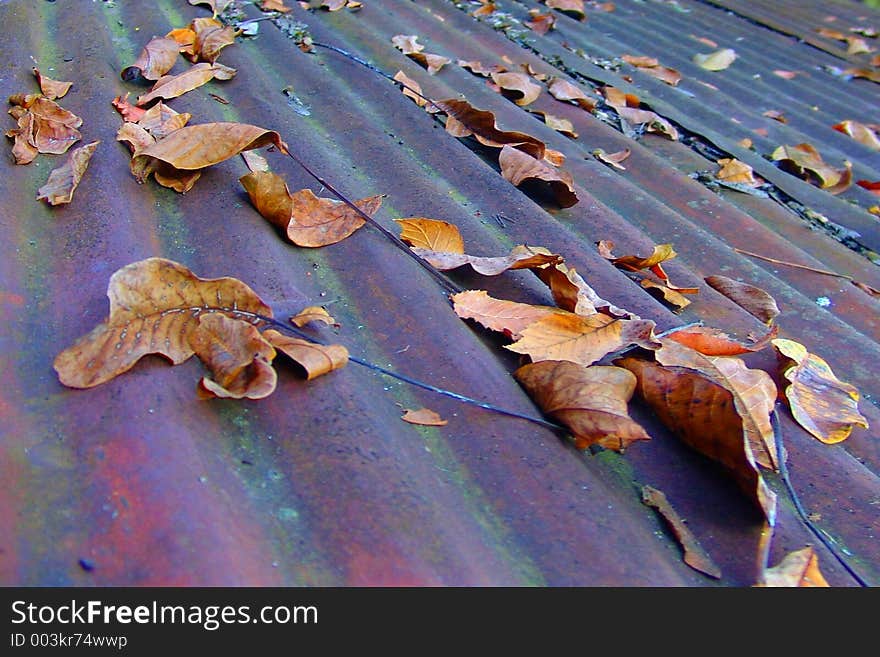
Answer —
322 483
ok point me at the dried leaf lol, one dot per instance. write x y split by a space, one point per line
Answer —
716 61
651 66
211 37
788 75
431 234
805 162
306 219
571 292
855 45
652 121
407 43
640 61
574 8
754 393
822 404
156 59
612 159
520 257
714 342
155 305
464 120
158 116
797 569
750 298
540 23
872 186
518 167
135 136
239 358
661 253
617 98
477 68
520 84
312 314
487 9
508 317
217 6
776 115
273 5
254 161
734 171
590 401
64 180
172 86
665 293
43 125
582 340
860 132
128 111
50 88
199 146
566 91
559 124
694 554
412 89
315 359
424 417
702 413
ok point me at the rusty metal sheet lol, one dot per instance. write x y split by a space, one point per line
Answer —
136 482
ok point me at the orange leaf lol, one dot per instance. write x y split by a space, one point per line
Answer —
860 132
312 314
582 340
64 180
315 359
518 167
566 91
508 317
211 37
424 417
239 358
617 98
797 569
805 162
50 88
172 86
429 61
155 305
703 415
694 554
590 401
273 5
540 23
128 111
306 219
574 8
464 120
734 171
156 59
821 403
640 61
754 393
872 186
716 61
412 89
752 299
520 257
571 292
431 234
651 66
714 342
524 90
557 123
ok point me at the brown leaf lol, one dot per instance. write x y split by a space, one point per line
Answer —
464 120
574 8
703 415
571 292
582 340
651 66
315 359
520 257
64 180
412 89
156 59
199 146
661 253
540 23
45 126
617 98
566 91
306 219
867 73
211 37
797 569
155 305
50 88
821 403
612 159
872 186
694 554
714 342
312 314
805 162
273 5
716 61
508 317
477 68
486 9
135 136
652 121
590 401
429 61
254 161
518 167
754 393
557 123
640 61
407 43
776 115
860 132
155 119
172 86
750 298
239 358
431 234
523 89
424 417
734 171
217 6
665 293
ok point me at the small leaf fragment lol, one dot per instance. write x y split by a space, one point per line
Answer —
612 159
315 359
716 61
820 402
312 314
590 401
64 180
424 417
797 569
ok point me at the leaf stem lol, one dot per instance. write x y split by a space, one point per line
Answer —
824 272
783 472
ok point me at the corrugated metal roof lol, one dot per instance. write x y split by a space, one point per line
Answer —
321 483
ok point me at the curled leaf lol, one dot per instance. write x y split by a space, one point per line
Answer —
50 88
734 171
797 569
424 417
590 401
312 314
571 292
518 167
64 180
315 359
239 358
211 37
155 305
716 61
172 86
574 8
557 123
508 317
565 91
714 342
463 120
520 257
652 121
43 127
804 161
540 23
431 234
752 299
821 403
156 59
612 159
520 85
862 133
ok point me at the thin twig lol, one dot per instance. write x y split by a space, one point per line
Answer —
783 472
824 272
